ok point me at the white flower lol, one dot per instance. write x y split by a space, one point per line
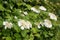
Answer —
24 24
21 22
47 23
15 17
25 13
42 8
28 25
5 2
53 16
22 27
40 24
35 10
7 24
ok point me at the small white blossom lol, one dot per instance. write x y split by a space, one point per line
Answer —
20 11
25 13
47 23
22 28
42 8
7 24
15 17
24 24
5 2
53 16
40 24
21 22
35 10
28 25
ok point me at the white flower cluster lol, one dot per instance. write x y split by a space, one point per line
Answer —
38 11
21 23
25 13
47 23
7 24
35 10
27 25
24 24
53 16
42 8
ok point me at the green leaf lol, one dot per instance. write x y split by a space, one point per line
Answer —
45 34
16 28
28 6
24 33
31 37
8 38
51 34
1 23
19 4
37 35
16 35
16 12
1 7
34 30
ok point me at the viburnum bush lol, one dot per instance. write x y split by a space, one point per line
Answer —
29 19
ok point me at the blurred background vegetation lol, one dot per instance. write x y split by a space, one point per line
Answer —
51 5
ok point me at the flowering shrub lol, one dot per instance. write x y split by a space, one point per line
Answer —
29 20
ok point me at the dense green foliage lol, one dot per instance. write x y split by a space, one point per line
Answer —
11 8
